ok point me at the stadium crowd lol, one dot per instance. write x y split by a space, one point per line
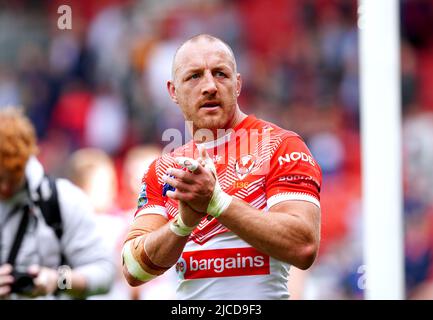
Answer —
102 85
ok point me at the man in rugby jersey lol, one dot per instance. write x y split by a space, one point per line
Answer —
233 208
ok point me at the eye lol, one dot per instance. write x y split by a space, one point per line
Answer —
220 74
194 76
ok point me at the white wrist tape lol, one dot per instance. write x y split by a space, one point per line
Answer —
219 202
178 227
133 266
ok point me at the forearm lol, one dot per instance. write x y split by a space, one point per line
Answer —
281 235
90 279
149 254
153 245
163 247
79 285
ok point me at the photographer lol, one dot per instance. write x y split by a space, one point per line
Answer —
49 246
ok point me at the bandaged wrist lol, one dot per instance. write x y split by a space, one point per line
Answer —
137 261
133 265
219 202
178 227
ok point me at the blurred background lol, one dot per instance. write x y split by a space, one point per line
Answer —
98 90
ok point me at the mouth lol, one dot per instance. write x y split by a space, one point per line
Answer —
211 105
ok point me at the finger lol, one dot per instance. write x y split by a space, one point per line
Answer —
4 290
181 175
5 269
187 163
34 269
208 162
5 280
175 183
175 195
203 153
199 169
41 280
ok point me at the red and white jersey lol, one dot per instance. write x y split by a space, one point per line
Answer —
258 163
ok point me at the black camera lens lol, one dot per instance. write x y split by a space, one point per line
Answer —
23 283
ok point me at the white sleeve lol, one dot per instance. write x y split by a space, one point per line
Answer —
82 244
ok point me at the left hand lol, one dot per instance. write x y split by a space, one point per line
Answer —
189 216
46 280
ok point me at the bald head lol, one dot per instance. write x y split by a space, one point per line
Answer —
196 42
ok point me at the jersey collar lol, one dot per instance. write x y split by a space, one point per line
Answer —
244 124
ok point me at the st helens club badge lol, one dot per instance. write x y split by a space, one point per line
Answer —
244 165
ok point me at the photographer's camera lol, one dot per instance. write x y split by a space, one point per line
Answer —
23 282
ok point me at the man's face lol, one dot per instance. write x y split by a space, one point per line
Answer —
205 85
10 183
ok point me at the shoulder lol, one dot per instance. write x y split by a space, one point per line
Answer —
278 137
274 131
67 190
70 197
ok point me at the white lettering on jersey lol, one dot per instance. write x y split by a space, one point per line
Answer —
296 156
222 263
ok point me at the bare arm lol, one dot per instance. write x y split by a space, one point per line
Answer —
290 232
47 282
161 245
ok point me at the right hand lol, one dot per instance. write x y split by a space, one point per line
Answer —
6 280
189 216
46 280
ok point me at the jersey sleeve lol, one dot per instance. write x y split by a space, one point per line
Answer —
293 174
150 199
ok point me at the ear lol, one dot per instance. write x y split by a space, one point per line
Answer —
238 84
172 91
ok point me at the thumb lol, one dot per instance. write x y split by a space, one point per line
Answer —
206 160
203 153
34 269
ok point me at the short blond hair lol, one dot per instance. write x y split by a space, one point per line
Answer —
17 139
84 162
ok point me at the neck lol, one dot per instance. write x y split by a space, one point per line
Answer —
237 118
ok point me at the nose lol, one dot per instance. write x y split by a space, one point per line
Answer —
209 85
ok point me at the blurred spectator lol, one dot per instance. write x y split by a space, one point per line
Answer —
93 171
135 164
9 92
418 178
44 224
102 83
137 161
108 135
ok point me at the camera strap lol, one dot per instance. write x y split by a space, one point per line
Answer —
50 209
19 235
